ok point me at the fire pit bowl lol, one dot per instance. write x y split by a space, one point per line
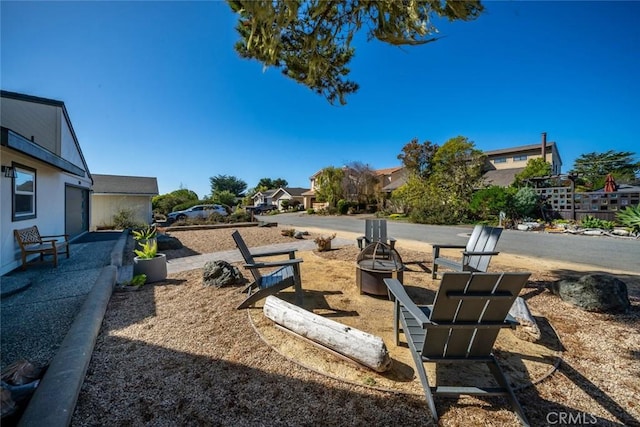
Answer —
376 262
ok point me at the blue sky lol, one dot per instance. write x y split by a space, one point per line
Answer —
156 88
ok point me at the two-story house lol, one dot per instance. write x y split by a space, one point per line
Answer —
503 165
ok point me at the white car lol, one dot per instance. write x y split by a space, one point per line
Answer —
197 211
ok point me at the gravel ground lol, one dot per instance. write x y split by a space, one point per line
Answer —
178 353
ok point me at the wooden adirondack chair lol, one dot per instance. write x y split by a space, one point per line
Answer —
477 252
461 326
375 230
276 280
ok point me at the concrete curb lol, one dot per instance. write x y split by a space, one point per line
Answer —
55 398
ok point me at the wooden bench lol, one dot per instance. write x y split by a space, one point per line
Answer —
31 242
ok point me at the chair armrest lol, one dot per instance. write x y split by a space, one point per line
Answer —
392 243
291 253
66 236
449 246
396 288
465 253
274 263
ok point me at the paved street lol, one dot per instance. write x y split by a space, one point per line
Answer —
600 251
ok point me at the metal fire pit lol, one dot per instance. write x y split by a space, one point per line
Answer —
376 262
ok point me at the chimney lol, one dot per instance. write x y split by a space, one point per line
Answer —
543 148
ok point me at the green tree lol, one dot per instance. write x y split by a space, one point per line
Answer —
594 167
311 40
536 167
165 203
224 197
457 172
418 158
329 185
271 184
227 183
487 203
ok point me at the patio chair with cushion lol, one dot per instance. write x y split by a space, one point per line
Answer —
477 252
283 274
32 242
460 327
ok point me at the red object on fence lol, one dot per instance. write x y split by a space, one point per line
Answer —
609 184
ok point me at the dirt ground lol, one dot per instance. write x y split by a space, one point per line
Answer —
179 353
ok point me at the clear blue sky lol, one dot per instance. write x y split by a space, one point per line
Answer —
156 88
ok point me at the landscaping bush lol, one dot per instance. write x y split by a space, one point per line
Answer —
630 217
593 222
124 218
343 207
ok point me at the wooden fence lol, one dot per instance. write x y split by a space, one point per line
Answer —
562 202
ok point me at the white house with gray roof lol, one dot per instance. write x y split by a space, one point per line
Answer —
44 180
113 194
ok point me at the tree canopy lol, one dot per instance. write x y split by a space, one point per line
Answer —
329 185
594 167
271 184
536 167
228 183
418 158
311 40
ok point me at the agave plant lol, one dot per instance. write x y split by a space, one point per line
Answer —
630 217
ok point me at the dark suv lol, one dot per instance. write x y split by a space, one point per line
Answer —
261 208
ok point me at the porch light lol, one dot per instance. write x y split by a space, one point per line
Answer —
9 172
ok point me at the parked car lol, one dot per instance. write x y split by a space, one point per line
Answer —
197 211
261 208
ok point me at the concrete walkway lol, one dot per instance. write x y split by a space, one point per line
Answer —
177 265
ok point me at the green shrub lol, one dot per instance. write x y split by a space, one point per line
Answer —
123 219
343 206
311 211
630 217
525 201
240 215
593 222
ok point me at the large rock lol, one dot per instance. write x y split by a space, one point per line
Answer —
594 292
166 242
221 274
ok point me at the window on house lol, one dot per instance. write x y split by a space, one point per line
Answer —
24 194
500 160
519 158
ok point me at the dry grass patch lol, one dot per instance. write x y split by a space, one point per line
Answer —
179 353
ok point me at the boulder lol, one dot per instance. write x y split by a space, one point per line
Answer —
298 235
594 292
221 274
166 242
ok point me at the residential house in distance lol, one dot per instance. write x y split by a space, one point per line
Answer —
113 194
265 197
45 180
390 179
503 165
292 194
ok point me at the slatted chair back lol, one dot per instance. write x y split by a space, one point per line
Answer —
483 239
246 255
375 230
468 312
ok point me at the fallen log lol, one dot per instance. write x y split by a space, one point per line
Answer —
364 348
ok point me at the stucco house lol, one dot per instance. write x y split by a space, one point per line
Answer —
113 194
263 197
288 193
45 180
